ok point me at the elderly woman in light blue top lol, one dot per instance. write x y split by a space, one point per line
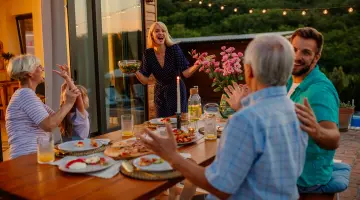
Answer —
27 117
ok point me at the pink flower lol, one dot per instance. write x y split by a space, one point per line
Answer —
225 58
197 62
205 62
196 56
229 50
193 52
222 53
217 64
214 80
204 54
234 55
240 54
207 71
223 48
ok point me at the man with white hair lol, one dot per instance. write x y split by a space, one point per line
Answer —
262 150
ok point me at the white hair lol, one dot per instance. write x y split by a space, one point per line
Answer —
21 65
271 57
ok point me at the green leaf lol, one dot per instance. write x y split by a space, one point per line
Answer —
213 84
218 89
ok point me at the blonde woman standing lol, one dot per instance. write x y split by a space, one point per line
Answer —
165 60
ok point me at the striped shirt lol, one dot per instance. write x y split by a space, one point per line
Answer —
23 117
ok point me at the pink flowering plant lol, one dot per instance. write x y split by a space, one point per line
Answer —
222 72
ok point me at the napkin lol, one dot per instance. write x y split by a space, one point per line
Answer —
106 173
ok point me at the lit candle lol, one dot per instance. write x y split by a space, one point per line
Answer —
178 94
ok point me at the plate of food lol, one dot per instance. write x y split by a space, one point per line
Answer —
219 129
86 164
80 145
126 149
184 136
161 121
151 163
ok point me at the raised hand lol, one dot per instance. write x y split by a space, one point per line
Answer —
71 95
307 118
64 73
164 146
235 94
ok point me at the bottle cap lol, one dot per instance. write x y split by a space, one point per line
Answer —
194 91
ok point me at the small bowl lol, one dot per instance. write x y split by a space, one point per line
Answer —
129 66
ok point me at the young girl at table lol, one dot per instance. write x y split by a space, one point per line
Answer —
76 124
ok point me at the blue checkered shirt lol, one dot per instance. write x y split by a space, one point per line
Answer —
262 151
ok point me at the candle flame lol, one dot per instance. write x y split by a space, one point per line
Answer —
178 78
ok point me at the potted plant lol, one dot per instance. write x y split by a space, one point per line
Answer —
7 56
346 110
223 73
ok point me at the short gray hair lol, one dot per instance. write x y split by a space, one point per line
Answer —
271 57
20 65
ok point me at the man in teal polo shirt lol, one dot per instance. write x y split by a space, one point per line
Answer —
319 114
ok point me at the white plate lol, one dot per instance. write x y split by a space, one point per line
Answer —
158 121
165 166
89 168
71 145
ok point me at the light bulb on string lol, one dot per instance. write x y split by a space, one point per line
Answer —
222 7
209 4
190 0
325 12
351 10
303 12
235 9
200 2
284 12
251 11
264 11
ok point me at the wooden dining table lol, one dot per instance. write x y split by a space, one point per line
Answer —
24 178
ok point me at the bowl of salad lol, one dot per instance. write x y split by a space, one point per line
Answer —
129 66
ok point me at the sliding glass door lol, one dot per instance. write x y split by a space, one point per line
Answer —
101 33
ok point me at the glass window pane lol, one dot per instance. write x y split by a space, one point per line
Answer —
82 53
122 40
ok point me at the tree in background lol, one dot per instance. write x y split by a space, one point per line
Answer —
340 28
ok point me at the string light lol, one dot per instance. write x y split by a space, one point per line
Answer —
264 11
235 9
351 10
209 5
222 7
303 12
200 2
325 12
284 12
251 11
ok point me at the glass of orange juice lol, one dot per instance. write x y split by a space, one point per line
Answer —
45 149
127 125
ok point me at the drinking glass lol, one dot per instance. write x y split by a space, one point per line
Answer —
211 109
127 125
45 149
210 127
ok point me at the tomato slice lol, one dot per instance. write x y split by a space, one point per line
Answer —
74 161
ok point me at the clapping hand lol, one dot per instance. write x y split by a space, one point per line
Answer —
164 146
64 73
307 118
71 95
235 94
